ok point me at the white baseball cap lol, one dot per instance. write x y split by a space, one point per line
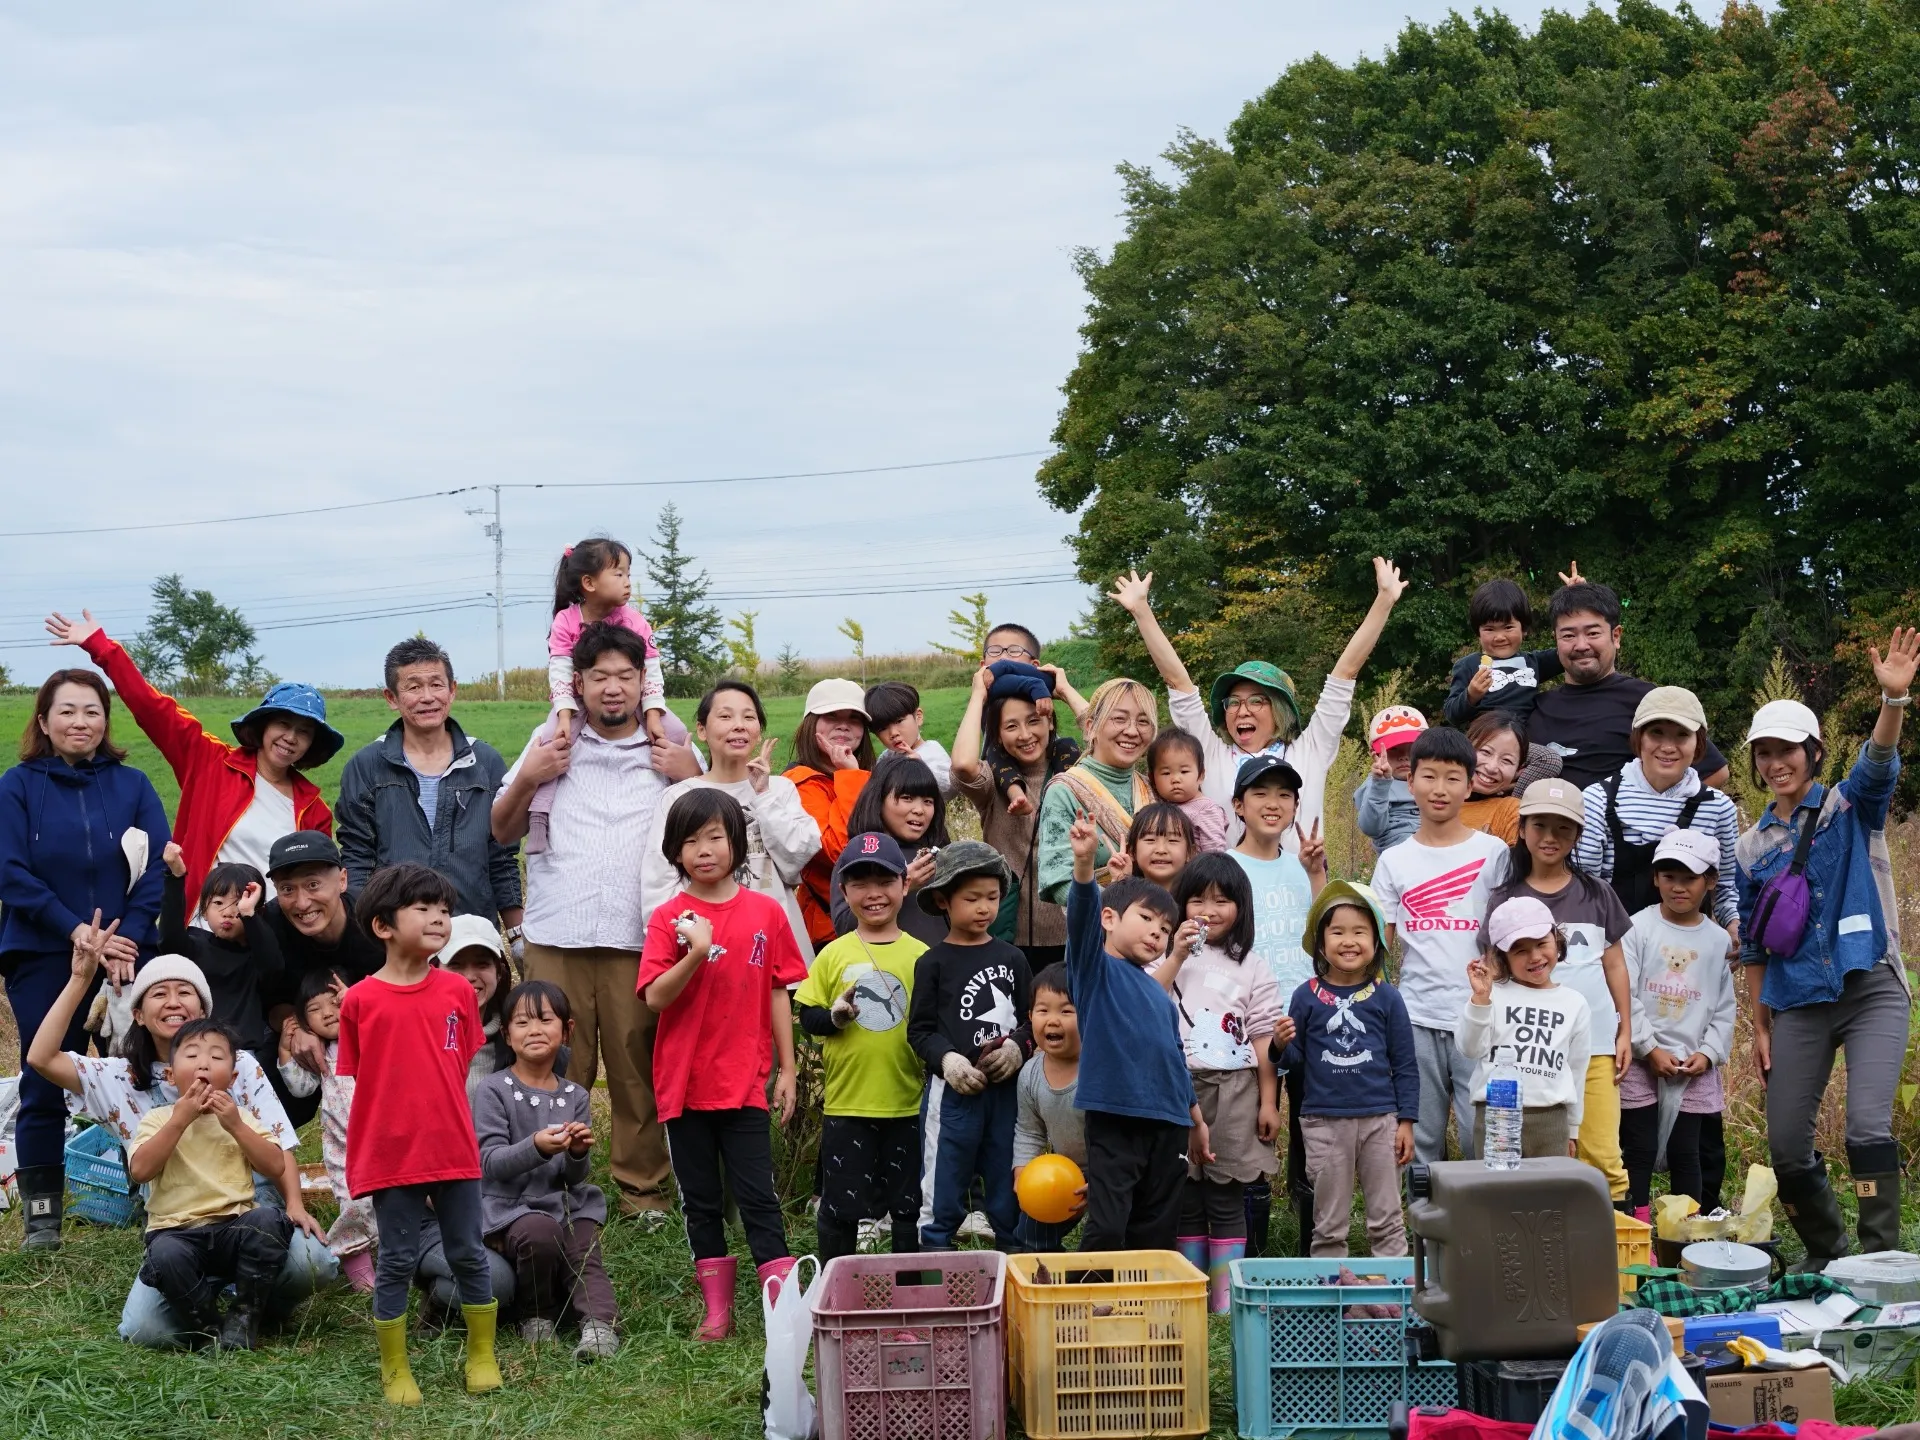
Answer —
466 932
828 697
1784 720
1695 849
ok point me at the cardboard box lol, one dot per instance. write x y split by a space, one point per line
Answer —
1760 1397
1675 1327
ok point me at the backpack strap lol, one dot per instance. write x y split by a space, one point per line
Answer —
1692 807
1615 830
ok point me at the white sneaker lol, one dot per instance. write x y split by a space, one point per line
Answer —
975 1227
598 1341
536 1331
875 1236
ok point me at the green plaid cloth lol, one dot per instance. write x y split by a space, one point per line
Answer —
1678 1299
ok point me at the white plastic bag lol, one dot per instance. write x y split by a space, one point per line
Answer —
9 1111
789 1318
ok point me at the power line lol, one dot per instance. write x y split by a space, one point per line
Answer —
518 485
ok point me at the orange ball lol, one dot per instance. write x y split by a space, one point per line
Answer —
1046 1188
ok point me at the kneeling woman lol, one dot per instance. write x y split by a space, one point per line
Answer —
167 993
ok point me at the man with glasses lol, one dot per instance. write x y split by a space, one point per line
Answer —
423 792
311 916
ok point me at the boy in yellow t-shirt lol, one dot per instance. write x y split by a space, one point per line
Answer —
204 1228
855 1001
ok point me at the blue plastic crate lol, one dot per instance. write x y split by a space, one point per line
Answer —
97 1180
1303 1366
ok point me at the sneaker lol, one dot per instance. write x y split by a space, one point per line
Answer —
537 1331
598 1341
975 1227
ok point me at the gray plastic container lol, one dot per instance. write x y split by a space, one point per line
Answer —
1507 1263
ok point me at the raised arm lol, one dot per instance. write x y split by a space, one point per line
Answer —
1130 594
175 731
51 1062
1895 672
1388 588
969 740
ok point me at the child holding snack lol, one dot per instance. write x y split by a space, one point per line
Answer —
1177 768
968 994
1671 1097
1500 674
1229 1009
1383 807
716 968
1048 1122
1352 1047
855 1001
536 1207
1516 1015
1141 1113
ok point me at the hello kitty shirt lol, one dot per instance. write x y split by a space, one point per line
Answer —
1683 1001
1225 1004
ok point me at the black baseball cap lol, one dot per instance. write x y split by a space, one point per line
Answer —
872 848
302 847
1266 770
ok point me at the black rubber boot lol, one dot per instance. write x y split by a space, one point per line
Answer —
43 1195
240 1330
1876 1186
1815 1212
1259 1203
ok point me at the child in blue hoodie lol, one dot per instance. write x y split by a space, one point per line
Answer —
1383 807
1143 1123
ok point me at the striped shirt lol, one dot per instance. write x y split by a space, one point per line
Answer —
584 890
1646 815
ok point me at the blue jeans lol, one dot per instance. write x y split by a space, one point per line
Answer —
146 1319
964 1136
34 982
1037 1237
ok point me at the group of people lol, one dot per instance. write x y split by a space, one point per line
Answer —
1143 964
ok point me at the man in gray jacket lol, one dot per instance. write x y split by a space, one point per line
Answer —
424 792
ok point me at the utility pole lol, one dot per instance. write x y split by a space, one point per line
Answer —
498 535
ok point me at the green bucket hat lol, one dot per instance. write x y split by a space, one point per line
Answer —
1345 892
955 863
1271 678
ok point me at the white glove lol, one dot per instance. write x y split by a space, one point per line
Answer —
962 1075
1002 1062
844 1009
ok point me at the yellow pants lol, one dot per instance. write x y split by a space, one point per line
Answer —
1598 1142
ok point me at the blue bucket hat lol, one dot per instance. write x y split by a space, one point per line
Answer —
302 702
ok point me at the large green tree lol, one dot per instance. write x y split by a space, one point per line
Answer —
1637 289
196 645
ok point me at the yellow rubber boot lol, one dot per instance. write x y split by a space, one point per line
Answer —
396 1377
483 1372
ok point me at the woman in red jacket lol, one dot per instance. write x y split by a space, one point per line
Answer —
833 754
235 800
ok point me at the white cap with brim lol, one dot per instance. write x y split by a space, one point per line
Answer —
1521 918
829 697
1787 720
172 967
468 931
1695 849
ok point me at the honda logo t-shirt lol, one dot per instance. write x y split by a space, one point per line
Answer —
1436 897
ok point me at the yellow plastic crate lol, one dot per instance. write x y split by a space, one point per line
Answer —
1114 1344
1634 1239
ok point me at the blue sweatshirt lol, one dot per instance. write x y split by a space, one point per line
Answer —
60 855
1131 1059
1354 1045
1385 811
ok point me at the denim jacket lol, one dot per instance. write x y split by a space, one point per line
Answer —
379 821
1853 922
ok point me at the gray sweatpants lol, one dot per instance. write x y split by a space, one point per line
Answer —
1869 1022
1446 1079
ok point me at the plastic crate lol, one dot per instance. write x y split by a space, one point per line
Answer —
97 1179
1634 1240
1112 1343
911 1347
1302 1364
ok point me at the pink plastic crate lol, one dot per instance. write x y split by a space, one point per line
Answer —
911 1347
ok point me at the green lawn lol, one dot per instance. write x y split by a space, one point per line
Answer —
504 724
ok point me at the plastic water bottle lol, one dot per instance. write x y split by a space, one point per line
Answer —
1505 1090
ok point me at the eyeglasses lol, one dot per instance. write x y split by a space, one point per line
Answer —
1253 703
1009 652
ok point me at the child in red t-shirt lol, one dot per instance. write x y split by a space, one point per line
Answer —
718 960
406 1034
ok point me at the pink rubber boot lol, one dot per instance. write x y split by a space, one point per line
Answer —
359 1269
775 1270
716 1288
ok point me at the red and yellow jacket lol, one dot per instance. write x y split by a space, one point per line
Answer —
216 776
829 800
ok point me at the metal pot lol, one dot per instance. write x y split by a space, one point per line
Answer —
1723 1265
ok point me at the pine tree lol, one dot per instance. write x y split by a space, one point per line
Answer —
688 630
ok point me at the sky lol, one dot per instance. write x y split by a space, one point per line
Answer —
287 256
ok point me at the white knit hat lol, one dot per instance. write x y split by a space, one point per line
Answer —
173 967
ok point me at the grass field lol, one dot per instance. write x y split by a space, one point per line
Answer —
64 1372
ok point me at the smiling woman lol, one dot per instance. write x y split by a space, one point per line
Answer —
235 800
1104 785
